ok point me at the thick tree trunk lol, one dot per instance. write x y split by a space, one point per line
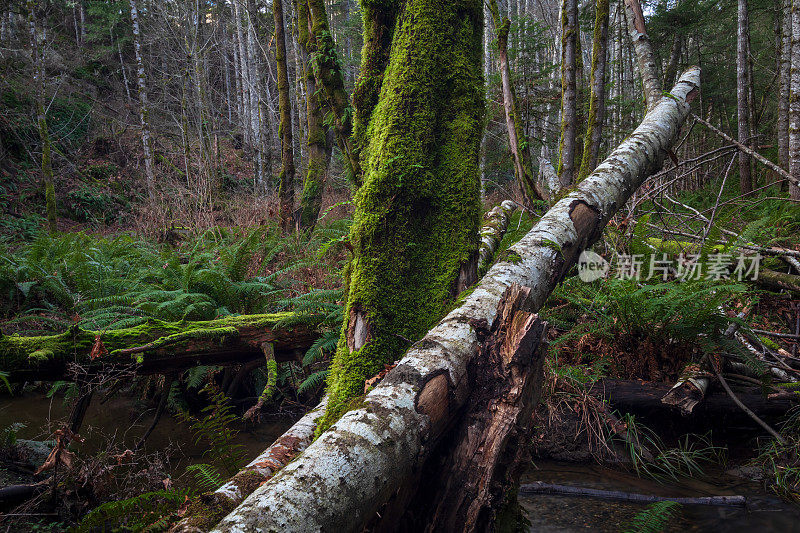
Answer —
569 93
286 177
794 103
414 233
360 463
154 347
645 57
141 83
597 99
743 95
41 118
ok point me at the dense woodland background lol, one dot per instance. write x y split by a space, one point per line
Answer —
185 161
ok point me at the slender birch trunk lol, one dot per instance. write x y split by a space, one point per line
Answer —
785 79
147 142
743 96
794 102
569 93
286 177
44 133
597 98
644 53
244 71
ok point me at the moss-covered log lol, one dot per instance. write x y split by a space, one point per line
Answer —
155 346
417 212
360 463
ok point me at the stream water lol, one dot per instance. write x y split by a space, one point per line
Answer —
764 513
123 420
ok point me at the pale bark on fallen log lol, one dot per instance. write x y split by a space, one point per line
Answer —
208 508
356 466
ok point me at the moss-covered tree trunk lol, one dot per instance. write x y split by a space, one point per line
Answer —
414 235
319 149
597 99
569 94
286 177
517 139
41 118
328 71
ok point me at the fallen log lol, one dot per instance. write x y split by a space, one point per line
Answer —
547 488
157 347
467 481
494 228
364 459
207 509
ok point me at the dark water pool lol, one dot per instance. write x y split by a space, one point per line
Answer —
764 513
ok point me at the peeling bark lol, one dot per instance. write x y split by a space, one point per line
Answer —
492 232
361 462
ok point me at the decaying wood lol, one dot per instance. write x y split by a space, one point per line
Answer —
469 476
206 509
547 488
156 347
363 460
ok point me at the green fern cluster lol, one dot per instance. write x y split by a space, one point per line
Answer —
654 518
147 512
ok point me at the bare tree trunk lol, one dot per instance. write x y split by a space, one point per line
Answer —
352 470
597 99
794 103
784 83
44 133
147 142
286 177
254 77
517 139
644 53
244 74
569 93
743 96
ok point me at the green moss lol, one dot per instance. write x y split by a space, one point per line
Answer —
418 211
27 353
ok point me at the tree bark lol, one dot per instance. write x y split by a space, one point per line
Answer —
784 83
319 149
569 93
415 228
597 99
286 177
794 103
41 118
743 95
141 83
359 464
645 57
517 139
